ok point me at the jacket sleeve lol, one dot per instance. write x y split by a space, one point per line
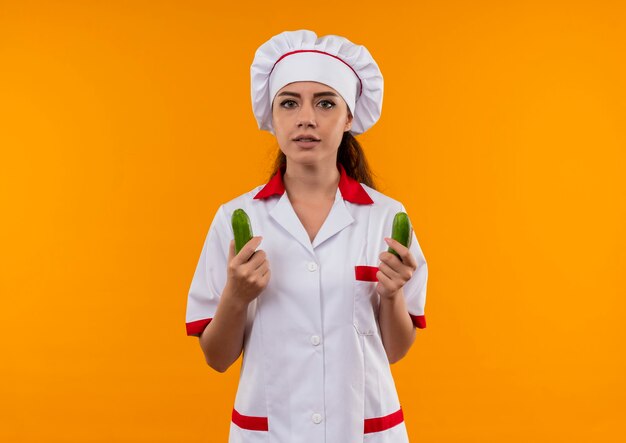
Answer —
210 275
415 289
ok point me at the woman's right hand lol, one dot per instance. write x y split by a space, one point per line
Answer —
248 271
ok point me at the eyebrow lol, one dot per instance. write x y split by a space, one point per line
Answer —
317 94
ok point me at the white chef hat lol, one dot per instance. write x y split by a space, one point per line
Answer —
333 60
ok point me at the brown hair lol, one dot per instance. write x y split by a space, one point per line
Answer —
350 155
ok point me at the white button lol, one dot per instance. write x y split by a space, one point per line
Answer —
317 418
315 339
312 266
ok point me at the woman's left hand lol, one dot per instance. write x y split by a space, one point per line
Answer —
394 272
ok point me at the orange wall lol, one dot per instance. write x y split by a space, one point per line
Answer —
124 125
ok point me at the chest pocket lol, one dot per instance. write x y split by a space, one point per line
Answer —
365 299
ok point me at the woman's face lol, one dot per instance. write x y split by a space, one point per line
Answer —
309 108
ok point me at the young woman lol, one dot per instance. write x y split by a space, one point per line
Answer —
322 309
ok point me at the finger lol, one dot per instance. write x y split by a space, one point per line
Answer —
404 271
255 265
268 271
391 260
248 249
384 280
396 245
389 272
266 277
262 269
405 254
398 271
382 277
389 284
257 257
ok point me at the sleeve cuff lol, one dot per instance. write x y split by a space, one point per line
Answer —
195 328
419 321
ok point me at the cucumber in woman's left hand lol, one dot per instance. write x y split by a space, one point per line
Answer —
401 231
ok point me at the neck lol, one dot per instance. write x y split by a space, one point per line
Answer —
311 181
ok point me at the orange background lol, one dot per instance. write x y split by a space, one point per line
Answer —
124 125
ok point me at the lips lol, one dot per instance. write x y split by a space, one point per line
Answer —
306 138
303 143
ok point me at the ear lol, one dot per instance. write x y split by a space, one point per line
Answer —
348 122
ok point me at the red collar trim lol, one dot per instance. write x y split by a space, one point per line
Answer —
350 189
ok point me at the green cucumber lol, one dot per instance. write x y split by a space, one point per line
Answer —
402 231
241 228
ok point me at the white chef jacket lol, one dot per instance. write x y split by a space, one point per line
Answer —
314 367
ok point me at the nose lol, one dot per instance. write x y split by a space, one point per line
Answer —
306 116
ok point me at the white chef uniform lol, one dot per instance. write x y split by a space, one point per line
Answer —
314 367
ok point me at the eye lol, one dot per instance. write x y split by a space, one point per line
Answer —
331 104
286 101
